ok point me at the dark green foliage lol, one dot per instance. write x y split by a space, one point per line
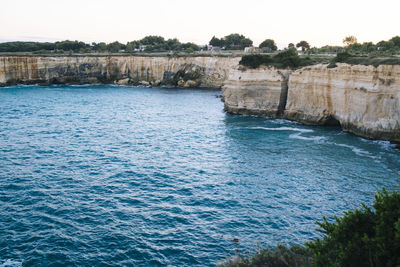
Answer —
237 41
254 61
153 43
269 43
281 256
67 45
288 58
217 42
346 57
115 47
232 41
152 40
363 237
25 46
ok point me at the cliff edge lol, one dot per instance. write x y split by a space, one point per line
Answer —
363 100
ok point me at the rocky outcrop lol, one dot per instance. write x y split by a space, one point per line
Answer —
256 91
187 71
363 100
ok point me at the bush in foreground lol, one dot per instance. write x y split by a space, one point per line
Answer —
363 237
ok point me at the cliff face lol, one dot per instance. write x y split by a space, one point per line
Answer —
184 71
364 100
255 91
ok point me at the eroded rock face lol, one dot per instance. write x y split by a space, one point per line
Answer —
204 71
365 100
255 91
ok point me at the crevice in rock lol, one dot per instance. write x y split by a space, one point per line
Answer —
284 93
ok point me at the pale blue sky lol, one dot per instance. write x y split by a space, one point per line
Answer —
318 22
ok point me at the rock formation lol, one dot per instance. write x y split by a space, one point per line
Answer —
364 100
188 71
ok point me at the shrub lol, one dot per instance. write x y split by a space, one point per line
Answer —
363 237
288 58
346 57
281 256
254 61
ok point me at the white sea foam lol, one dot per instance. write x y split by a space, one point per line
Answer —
11 263
386 145
358 151
283 121
317 139
284 129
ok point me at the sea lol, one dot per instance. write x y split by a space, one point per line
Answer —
106 175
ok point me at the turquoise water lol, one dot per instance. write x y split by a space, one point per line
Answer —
120 176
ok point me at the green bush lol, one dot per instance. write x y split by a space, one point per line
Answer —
346 57
288 58
363 237
281 256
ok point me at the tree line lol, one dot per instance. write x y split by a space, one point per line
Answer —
149 44
234 41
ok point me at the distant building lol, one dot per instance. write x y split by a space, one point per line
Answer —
252 49
142 48
214 48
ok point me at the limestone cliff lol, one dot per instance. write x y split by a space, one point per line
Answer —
365 100
255 91
184 71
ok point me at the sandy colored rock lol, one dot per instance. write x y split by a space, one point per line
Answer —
210 71
254 91
365 100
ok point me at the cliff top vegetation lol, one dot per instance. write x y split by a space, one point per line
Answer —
286 59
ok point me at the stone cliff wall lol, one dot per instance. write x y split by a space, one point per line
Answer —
183 71
255 91
364 100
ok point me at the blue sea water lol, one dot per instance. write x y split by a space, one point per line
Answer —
104 175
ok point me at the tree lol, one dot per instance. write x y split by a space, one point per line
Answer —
396 41
216 42
291 45
152 40
349 40
114 47
269 43
237 41
304 45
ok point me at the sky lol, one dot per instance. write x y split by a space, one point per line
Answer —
316 21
